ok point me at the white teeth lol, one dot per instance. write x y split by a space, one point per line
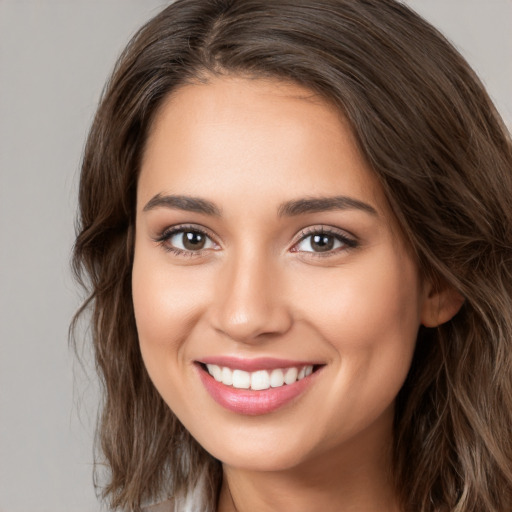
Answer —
215 372
258 380
290 376
227 376
241 379
277 378
304 372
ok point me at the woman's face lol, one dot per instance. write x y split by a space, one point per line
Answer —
265 249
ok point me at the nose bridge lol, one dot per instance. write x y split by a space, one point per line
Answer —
249 301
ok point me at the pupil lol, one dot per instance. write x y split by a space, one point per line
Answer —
322 243
193 241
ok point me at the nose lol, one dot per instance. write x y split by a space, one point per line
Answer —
249 304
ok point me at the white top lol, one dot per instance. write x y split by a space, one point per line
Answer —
193 501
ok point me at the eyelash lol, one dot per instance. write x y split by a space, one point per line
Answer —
347 242
168 233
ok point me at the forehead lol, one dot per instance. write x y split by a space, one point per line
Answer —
253 137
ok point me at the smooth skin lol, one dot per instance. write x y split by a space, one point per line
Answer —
242 275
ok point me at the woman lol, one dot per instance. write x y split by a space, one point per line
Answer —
296 226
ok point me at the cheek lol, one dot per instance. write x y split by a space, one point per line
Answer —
358 308
167 304
370 317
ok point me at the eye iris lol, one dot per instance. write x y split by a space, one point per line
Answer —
193 241
322 243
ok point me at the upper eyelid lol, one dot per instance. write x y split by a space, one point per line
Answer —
328 230
171 230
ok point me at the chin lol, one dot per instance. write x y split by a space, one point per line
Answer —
261 448
253 460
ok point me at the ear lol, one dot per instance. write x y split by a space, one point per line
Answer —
440 305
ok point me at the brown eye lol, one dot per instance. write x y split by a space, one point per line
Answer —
322 243
193 241
187 240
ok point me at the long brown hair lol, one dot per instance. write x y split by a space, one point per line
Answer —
443 156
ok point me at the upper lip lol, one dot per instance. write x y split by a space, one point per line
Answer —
253 364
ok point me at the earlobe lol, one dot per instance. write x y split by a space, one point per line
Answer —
440 306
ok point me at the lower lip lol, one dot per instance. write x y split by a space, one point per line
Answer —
253 403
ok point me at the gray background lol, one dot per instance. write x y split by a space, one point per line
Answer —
54 58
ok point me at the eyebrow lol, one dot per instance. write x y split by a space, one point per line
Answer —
289 209
323 204
186 203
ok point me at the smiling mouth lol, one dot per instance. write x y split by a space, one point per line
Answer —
261 379
256 392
